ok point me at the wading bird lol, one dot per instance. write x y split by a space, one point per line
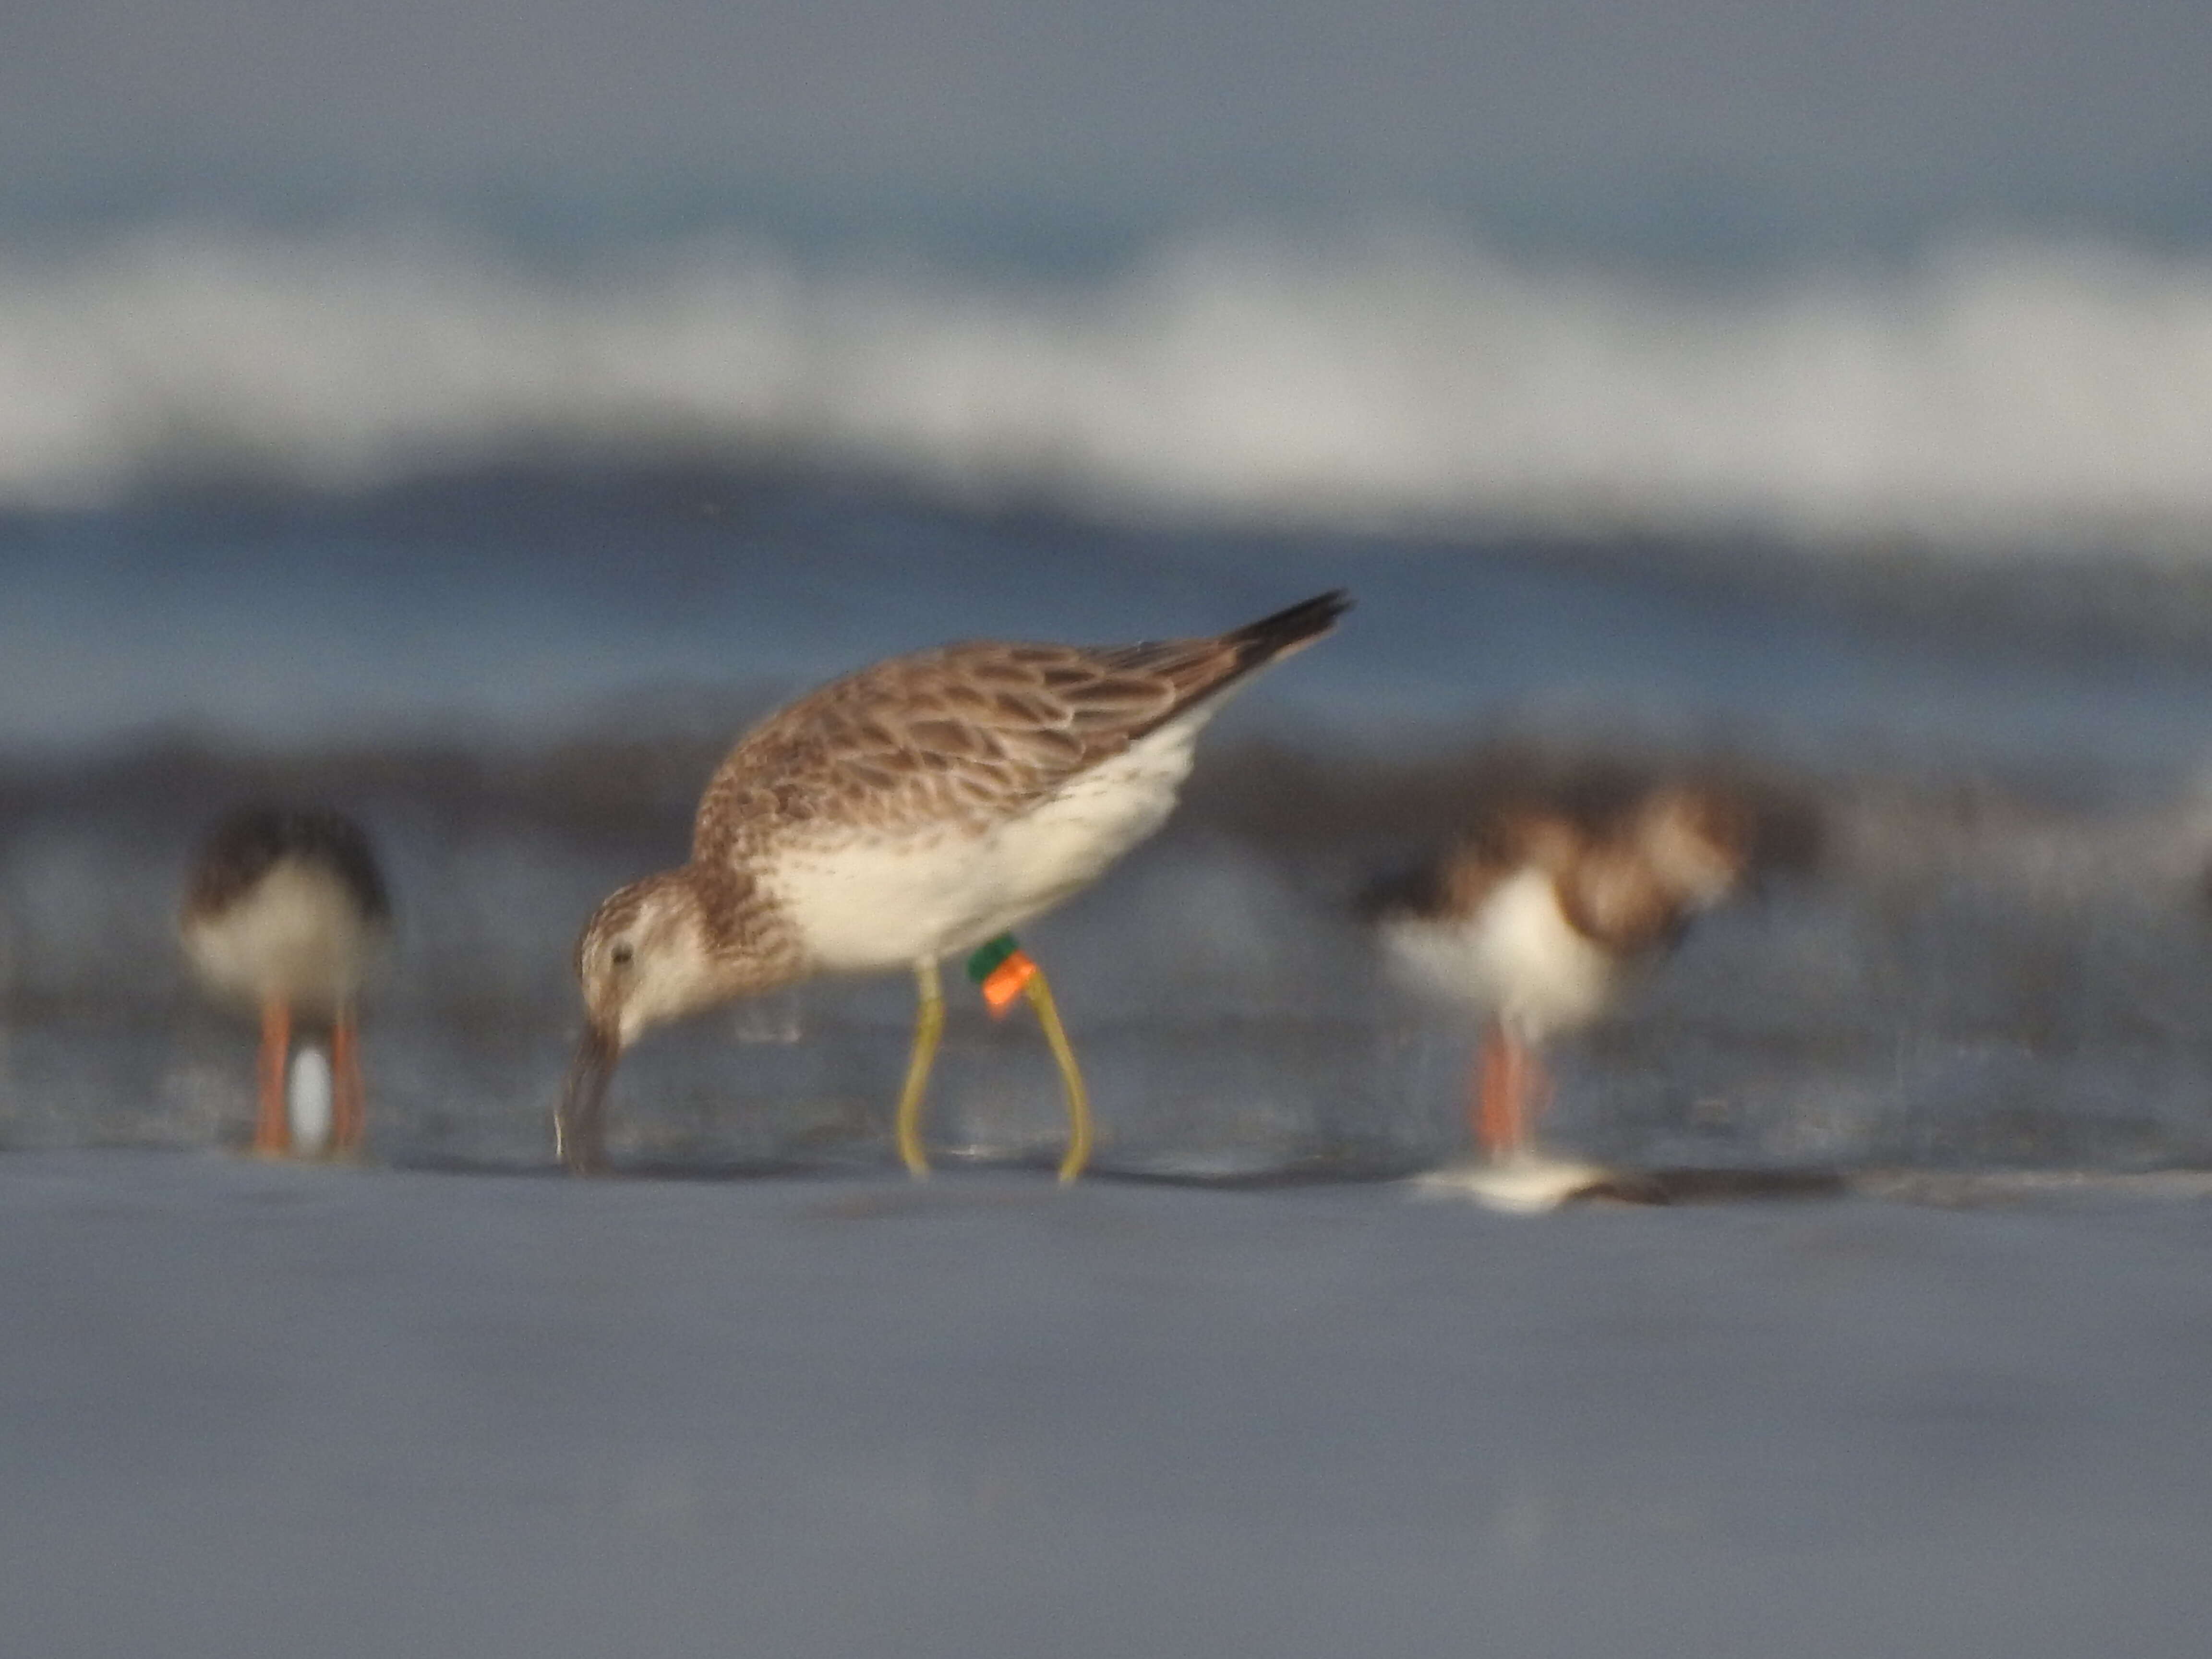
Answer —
1536 919
917 810
285 911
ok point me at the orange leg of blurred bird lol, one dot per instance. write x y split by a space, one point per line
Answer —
1510 1090
273 1126
349 1094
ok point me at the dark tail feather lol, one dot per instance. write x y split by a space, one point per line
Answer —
1261 642
1205 669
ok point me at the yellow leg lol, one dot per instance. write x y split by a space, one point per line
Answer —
928 1027
1079 1101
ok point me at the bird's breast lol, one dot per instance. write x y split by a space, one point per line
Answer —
865 901
297 934
1515 955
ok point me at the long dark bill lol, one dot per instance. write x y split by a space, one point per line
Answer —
580 1126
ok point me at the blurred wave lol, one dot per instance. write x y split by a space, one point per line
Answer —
2037 393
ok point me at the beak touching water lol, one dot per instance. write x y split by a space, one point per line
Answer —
580 1126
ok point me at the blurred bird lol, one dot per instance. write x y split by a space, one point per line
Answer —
1536 919
286 911
913 810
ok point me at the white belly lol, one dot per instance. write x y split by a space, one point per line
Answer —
296 935
1516 958
862 906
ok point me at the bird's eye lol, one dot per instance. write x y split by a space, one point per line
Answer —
621 955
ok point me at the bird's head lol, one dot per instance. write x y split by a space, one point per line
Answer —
1698 842
643 960
655 951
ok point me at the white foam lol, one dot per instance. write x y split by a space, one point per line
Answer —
1530 1183
308 1100
1992 393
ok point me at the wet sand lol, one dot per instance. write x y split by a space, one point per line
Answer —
250 1409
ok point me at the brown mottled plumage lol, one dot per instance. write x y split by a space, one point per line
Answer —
908 812
963 737
1629 874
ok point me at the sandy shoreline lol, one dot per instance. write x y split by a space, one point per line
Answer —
254 1409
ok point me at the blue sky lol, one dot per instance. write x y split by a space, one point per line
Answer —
1618 118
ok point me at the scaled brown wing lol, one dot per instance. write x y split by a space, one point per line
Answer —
966 735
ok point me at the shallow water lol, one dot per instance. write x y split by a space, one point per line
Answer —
520 680
2032 989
